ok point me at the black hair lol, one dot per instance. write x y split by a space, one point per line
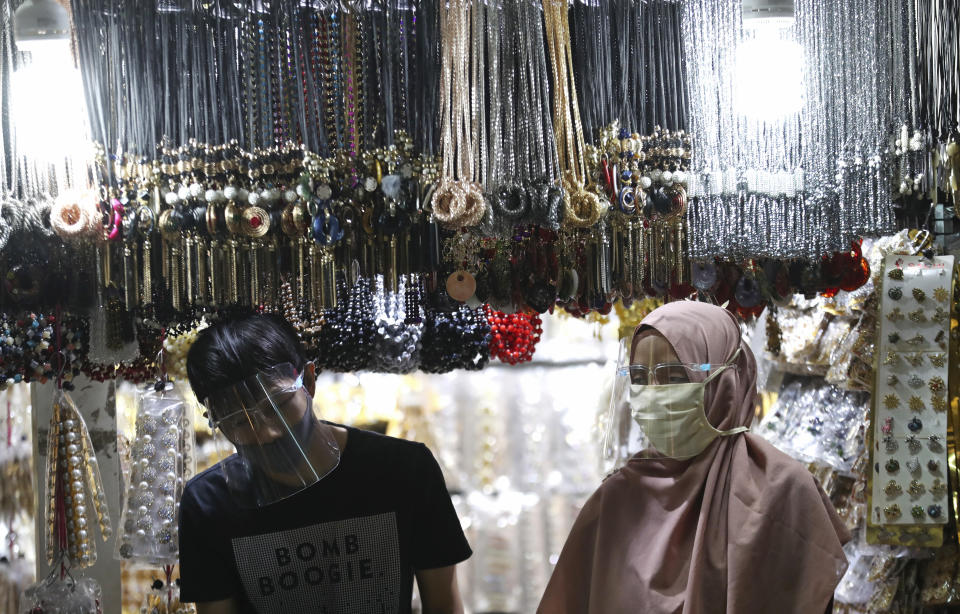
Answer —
233 350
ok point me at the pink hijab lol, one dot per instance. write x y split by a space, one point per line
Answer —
740 528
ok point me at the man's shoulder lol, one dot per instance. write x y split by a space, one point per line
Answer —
370 442
208 482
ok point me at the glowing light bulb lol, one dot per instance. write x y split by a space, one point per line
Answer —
769 74
48 108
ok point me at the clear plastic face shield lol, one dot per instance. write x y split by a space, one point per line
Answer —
657 404
282 448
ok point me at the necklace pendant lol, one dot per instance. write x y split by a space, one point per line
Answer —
147 285
392 273
202 272
212 265
254 256
314 291
173 272
231 274
129 277
188 268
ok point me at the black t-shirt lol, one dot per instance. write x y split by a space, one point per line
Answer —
349 544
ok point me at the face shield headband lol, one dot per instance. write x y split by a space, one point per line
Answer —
281 446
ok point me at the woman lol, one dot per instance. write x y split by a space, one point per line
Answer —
710 518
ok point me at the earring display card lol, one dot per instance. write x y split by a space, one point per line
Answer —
910 400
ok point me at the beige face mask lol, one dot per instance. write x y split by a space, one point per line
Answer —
673 418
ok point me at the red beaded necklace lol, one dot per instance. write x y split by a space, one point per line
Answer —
513 336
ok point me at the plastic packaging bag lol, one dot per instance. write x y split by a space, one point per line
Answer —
162 458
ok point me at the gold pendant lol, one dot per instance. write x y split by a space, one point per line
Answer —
231 274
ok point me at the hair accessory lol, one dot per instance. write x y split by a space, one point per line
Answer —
941 294
915 381
919 294
891 358
893 489
934 510
892 512
915 359
936 443
892 380
917 316
895 293
913 443
933 465
915 425
896 315
890 442
913 465
891 401
896 274
938 360
892 466
938 403
938 488
939 316
916 340
916 403
916 488
894 337
917 512
936 384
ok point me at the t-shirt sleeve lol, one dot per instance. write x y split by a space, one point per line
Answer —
438 537
207 571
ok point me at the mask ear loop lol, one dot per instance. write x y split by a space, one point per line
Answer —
726 365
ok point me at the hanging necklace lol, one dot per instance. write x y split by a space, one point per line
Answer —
458 200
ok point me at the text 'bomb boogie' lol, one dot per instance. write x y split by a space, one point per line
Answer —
320 569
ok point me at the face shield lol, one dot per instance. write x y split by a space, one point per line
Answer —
657 408
281 446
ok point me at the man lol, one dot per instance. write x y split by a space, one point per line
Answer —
308 516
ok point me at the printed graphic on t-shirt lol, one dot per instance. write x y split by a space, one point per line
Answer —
344 567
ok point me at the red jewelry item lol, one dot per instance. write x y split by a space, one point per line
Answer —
513 336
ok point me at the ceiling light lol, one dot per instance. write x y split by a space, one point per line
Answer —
40 22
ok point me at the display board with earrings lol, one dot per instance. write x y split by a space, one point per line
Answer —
910 420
